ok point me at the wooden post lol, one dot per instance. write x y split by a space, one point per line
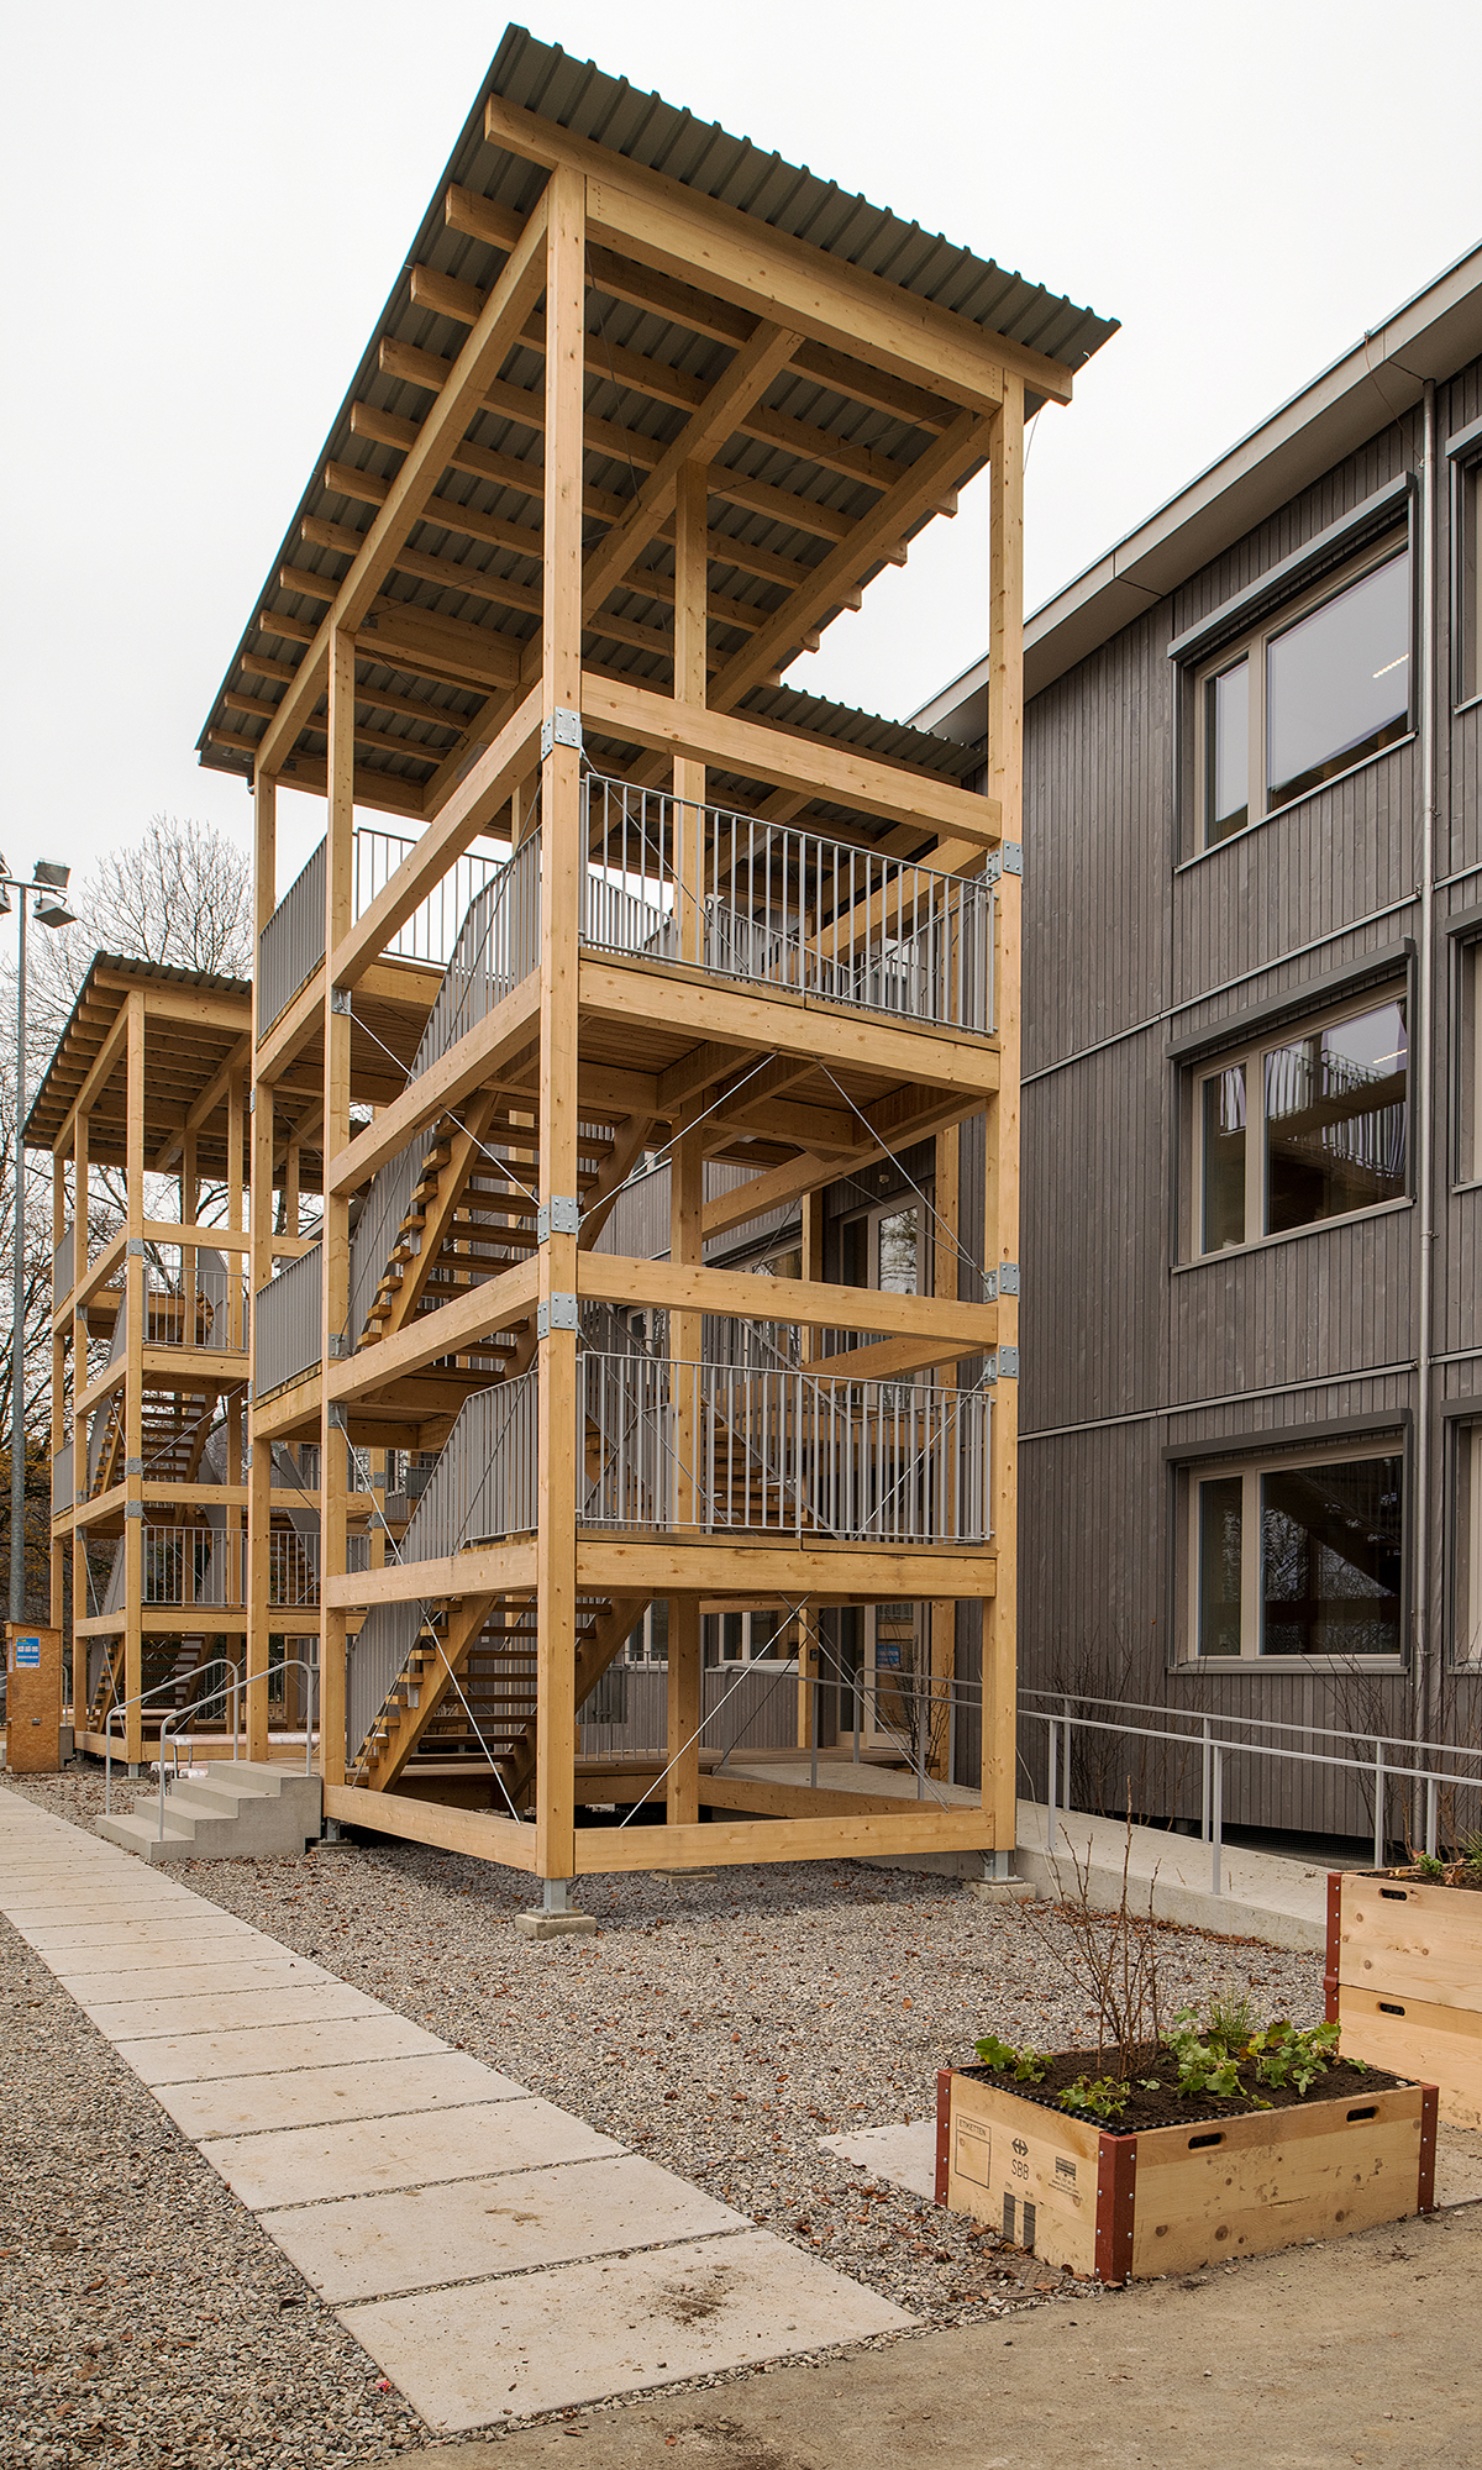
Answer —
334 1460
563 859
58 1380
260 1453
80 1607
135 1306
1001 1199
942 1614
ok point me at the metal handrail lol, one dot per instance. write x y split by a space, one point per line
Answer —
1062 1722
237 1689
121 1706
1267 1723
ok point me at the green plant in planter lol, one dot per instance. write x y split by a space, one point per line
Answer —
1285 2055
1207 2061
1025 2066
1099 2096
1471 1851
1429 1867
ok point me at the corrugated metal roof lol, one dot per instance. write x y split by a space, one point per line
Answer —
785 490
92 1016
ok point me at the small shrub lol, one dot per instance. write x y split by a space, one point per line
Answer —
1025 2066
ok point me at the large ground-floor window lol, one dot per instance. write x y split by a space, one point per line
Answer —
1297 1555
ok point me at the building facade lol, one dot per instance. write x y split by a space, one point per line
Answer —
1252 1376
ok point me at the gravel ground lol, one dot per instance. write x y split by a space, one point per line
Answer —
144 2317
723 2025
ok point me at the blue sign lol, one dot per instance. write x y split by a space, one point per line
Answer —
28 1654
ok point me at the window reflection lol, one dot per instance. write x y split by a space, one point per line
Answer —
1227 726
1330 1559
1336 1120
1338 682
1220 1535
1224 1159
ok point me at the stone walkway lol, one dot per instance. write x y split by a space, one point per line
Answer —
495 2256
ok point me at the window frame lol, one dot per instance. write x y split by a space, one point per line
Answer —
1250 1465
1252 645
1251 1053
1465 453
1463 1418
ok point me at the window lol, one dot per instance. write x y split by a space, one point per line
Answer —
1468 504
1467 1632
884 1248
1310 1124
747 1637
1310 693
1298 1557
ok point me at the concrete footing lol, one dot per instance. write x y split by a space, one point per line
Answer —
556 1925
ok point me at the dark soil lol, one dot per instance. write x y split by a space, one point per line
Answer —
1457 1874
1349 2080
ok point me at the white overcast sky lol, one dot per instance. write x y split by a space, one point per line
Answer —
206 206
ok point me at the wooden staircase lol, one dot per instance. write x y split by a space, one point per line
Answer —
467 1693
176 1425
472 1213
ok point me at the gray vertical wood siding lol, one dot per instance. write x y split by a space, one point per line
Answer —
1131 1352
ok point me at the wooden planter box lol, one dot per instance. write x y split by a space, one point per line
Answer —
1121 2208
1404 1979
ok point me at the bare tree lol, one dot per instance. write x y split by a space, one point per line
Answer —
181 895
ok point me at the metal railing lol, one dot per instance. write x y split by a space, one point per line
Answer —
143 1698
704 1446
1381 1769
63 1480
63 1271
291 945
193 1297
290 1323
237 1688
776 906
497 947
484 1483
187 1566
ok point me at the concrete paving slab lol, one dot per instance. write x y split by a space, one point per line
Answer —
375 2246
492 2350
200 2058
302 2165
132 1945
167 1978
902 2156
1314 2360
316 2096
141 2019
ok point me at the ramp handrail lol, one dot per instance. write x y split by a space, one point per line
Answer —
237 1687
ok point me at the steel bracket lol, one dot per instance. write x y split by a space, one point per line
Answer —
560 1215
342 1000
562 728
135 1248
559 1313
1006 1364
1004 1280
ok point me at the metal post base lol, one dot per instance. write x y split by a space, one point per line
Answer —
332 1840
998 1884
556 1918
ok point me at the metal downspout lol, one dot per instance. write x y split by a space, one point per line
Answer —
1424 1658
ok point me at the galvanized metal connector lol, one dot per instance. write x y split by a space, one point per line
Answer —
559 1313
560 1215
562 729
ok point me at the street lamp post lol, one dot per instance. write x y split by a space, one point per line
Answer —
48 883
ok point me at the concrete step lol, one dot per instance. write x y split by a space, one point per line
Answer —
240 1809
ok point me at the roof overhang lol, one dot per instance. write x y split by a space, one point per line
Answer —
1384 375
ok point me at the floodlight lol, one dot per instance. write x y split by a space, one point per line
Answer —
52 913
49 873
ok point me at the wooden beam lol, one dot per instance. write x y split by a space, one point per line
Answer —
477 1312
786 758
683 233
481 1834
481 358
718 1844
943 464
751 372
484 789
481 1055
675 999
609 1277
